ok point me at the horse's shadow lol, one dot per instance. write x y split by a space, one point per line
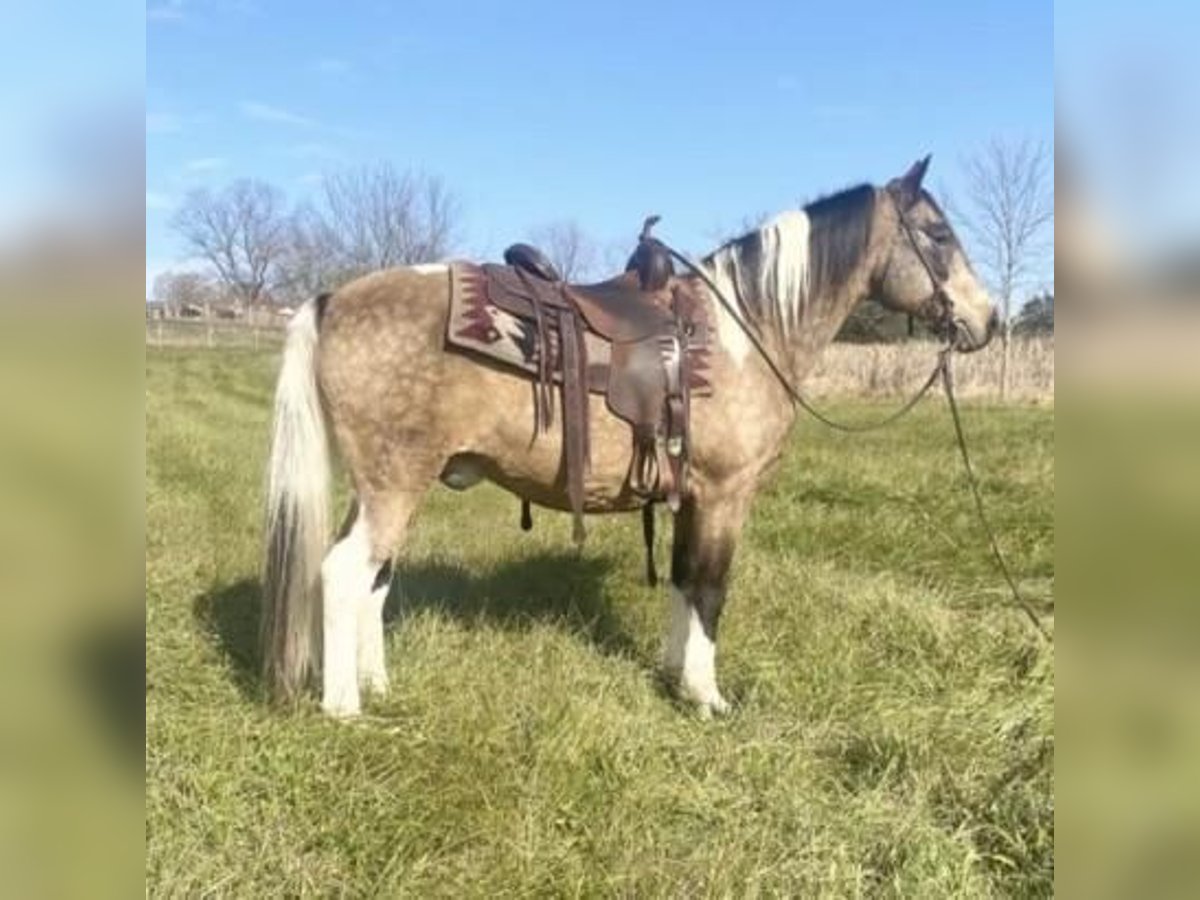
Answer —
562 588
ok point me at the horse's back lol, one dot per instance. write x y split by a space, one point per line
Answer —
387 303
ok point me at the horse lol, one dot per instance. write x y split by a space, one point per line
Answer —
368 365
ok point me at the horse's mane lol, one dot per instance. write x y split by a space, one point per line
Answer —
840 230
775 270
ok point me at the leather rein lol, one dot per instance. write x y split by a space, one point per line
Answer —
948 324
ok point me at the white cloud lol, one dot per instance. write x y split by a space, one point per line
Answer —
206 164
331 65
264 112
159 201
171 11
843 111
163 123
314 150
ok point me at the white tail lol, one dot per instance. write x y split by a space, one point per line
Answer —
297 516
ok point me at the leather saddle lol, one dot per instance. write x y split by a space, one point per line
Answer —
653 331
623 309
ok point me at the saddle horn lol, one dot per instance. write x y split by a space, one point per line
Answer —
651 260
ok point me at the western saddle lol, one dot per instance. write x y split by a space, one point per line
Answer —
647 323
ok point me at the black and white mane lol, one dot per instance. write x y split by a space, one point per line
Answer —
775 273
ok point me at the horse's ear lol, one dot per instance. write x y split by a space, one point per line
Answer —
916 174
908 186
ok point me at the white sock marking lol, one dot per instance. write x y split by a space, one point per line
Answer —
346 575
690 655
372 668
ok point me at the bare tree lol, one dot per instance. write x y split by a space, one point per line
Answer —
1009 211
312 259
568 247
374 217
177 290
239 232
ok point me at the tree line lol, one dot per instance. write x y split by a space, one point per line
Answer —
259 250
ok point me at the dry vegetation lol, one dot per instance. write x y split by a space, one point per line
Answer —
886 370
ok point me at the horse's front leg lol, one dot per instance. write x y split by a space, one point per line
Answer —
706 534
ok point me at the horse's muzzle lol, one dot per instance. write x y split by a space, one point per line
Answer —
968 338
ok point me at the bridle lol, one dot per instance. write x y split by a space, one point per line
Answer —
945 320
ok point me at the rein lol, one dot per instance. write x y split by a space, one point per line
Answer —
942 368
973 481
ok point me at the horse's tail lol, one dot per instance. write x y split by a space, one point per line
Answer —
297 515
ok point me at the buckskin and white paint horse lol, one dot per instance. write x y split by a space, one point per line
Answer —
371 362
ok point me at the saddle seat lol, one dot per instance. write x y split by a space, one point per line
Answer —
632 306
620 309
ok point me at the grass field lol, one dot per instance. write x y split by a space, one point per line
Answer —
894 726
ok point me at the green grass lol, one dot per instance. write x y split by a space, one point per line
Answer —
894 726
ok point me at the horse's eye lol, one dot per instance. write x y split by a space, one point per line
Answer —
939 234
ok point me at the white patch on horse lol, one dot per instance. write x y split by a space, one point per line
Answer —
783 278
725 270
776 281
372 668
347 577
430 268
691 656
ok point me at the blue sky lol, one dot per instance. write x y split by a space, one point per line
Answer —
600 112
1128 84
70 73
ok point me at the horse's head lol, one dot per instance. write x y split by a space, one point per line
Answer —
923 268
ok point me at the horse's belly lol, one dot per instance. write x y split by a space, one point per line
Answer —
532 465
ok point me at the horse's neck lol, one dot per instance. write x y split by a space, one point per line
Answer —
823 318
793 331
795 349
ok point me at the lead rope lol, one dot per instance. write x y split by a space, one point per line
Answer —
1018 599
942 367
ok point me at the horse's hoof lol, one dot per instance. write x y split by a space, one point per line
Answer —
341 710
375 685
709 705
715 706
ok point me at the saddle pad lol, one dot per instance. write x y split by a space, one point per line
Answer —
480 327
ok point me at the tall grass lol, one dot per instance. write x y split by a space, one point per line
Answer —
893 732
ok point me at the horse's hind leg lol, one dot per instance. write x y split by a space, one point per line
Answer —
346 577
372 669
356 575
372 672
